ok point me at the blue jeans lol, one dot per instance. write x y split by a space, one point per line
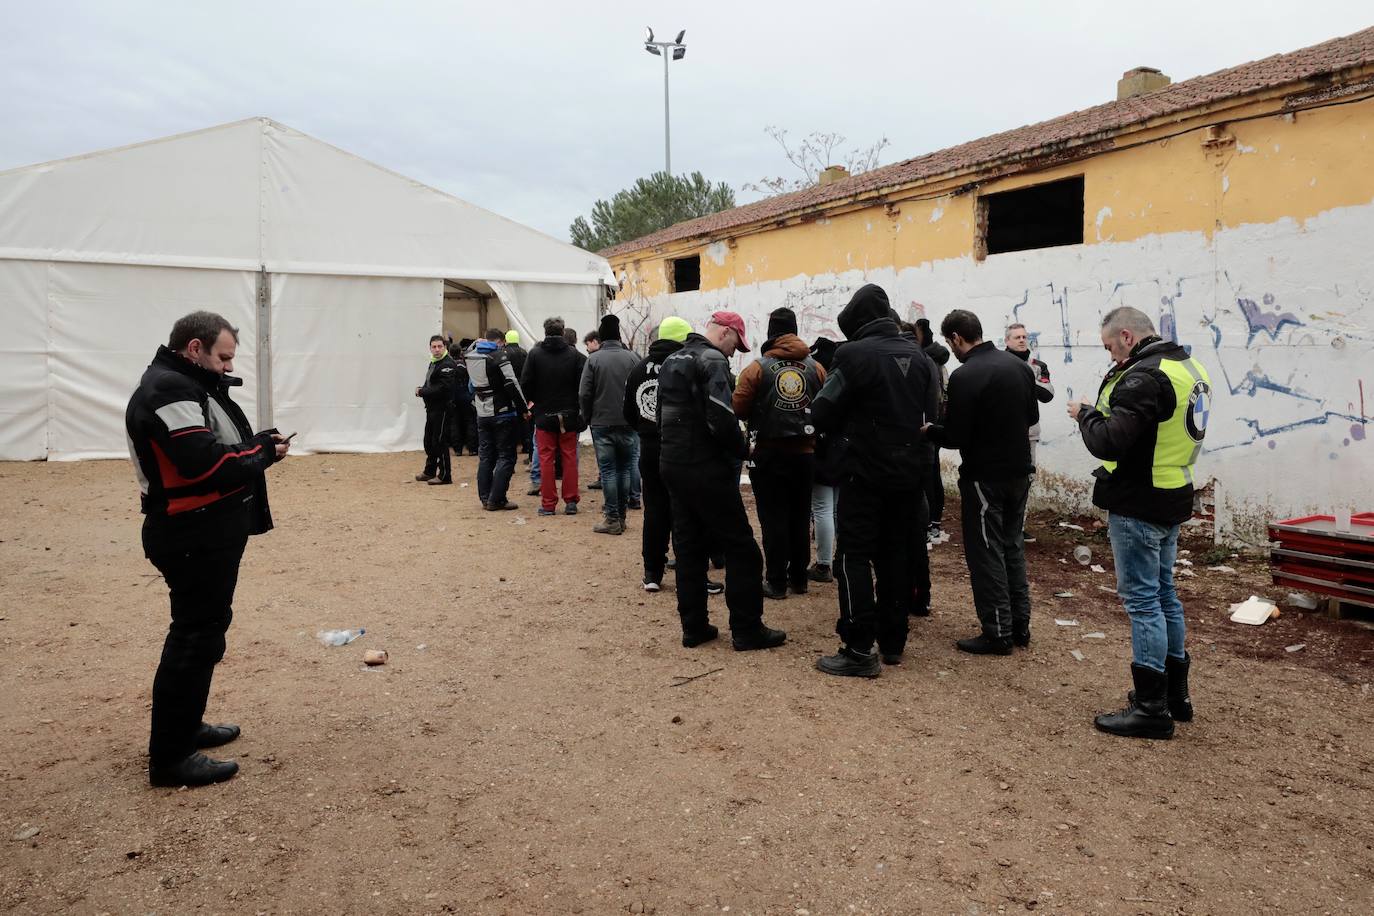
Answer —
534 457
636 482
496 442
1145 554
616 447
823 517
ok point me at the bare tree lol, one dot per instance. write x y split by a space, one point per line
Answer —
816 152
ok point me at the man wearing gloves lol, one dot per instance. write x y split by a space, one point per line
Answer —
438 397
641 410
201 475
1147 427
700 441
500 404
880 391
602 395
774 396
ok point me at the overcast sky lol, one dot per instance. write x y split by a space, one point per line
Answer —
535 110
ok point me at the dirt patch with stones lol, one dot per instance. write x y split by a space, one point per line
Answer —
525 748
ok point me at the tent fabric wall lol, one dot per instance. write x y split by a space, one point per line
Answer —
528 304
100 253
24 360
106 322
187 201
347 356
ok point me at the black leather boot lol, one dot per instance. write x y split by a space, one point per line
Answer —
215 735
848 663
983 644
762 638
195 770
1147 713
1180 703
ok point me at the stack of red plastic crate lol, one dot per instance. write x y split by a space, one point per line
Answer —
1313 555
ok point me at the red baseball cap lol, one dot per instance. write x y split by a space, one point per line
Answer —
734 322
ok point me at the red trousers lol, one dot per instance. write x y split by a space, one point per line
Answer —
550 443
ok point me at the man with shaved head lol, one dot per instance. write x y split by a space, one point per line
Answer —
1147 426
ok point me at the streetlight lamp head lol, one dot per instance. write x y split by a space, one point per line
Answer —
652 49
680 36
679 52
648 34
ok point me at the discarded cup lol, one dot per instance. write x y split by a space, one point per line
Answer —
375 657
339 637
1083 555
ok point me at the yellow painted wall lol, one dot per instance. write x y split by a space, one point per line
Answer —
1279 166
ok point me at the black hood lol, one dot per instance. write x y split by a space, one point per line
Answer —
660 350
868 304
554 343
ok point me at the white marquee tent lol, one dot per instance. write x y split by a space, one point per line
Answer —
335 270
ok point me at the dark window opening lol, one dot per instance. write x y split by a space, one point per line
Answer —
687 274
1042 216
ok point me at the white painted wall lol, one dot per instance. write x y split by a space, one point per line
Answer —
1281 314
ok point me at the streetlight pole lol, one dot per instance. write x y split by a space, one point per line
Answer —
674 50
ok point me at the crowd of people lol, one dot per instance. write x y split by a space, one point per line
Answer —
841 440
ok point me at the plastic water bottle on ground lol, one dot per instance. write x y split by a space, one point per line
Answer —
1083 555
340 637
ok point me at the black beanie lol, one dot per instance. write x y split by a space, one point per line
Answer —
609 329
781 321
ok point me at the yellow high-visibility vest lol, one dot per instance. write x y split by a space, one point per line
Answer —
1179 439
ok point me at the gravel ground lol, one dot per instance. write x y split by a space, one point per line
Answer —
526 749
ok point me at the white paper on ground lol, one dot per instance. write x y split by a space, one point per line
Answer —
1076 654
1253 611
1096 568
1095 635
1066 623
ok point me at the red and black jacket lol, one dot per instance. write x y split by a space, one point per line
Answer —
200 468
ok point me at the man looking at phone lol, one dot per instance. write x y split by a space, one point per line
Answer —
200 471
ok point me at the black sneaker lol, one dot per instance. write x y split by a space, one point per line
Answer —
543 511
699 637
820 572
504 507
671 564
570 509
982 644
798 587
195 770
1020 637
776 592
892 658
848 663
653 583
634 503
714 588
762 638
1027 537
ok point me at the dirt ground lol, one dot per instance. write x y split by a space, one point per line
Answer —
526 750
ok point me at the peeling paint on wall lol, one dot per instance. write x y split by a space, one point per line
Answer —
1281 314
717 252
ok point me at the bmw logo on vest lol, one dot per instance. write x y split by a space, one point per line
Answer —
1199 408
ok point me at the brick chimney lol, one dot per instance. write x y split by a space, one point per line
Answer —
833 173
1140 81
